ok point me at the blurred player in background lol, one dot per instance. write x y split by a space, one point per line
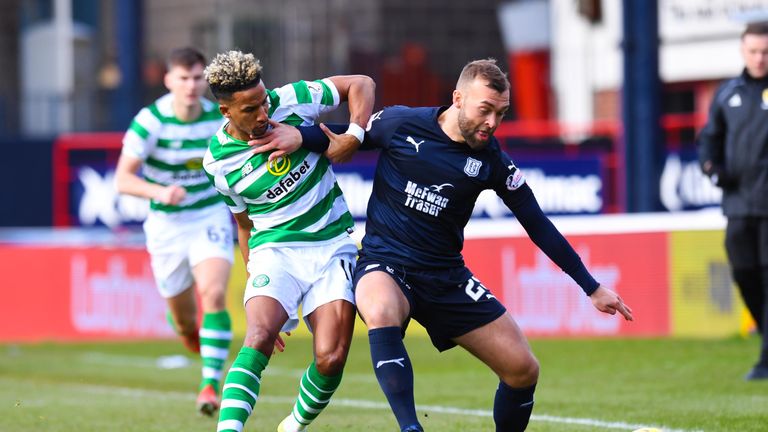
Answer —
434 163
293 229
188 229
733 151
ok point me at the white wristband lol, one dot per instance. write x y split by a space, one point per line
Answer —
356 131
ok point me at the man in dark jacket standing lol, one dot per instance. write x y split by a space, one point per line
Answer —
733 151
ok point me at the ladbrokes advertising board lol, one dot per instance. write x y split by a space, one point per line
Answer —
670 269
66 293
545 301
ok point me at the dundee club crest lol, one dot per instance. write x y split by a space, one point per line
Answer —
472 168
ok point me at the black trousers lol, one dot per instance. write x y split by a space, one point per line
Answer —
746 242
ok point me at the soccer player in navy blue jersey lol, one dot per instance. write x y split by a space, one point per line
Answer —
434 163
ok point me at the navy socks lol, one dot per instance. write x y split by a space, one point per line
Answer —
395 374
512 408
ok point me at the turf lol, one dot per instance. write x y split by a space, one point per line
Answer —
585 385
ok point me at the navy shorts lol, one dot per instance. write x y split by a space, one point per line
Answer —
447 302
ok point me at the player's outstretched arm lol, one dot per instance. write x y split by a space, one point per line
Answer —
359 91
282 139
605 300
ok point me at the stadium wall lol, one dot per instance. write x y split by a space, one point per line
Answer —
671 269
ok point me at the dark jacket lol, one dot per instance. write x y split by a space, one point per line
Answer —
733 146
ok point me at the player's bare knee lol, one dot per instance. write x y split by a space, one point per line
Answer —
213 299
532 373
376 316
374 322
261 339
332 362
523 373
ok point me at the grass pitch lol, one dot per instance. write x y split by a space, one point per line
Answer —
585 385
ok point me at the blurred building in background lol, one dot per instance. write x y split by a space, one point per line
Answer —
698 47
66 73
85 66
564 56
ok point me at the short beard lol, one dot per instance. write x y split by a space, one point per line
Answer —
467 132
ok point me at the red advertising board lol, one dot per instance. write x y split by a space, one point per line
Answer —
546 302
105 289
79 294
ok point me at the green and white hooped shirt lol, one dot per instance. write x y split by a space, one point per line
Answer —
293 200
173 151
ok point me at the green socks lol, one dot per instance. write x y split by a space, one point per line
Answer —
215 339
241 389
315 391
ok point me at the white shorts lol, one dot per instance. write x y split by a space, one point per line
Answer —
308 275
178 242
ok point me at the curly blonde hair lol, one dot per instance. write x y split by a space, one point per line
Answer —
231 72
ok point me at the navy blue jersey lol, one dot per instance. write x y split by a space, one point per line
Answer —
426 186
425 189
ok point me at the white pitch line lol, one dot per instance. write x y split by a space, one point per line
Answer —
367 404
152 363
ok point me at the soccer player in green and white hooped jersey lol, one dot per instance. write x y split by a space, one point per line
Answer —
188 229
293 227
